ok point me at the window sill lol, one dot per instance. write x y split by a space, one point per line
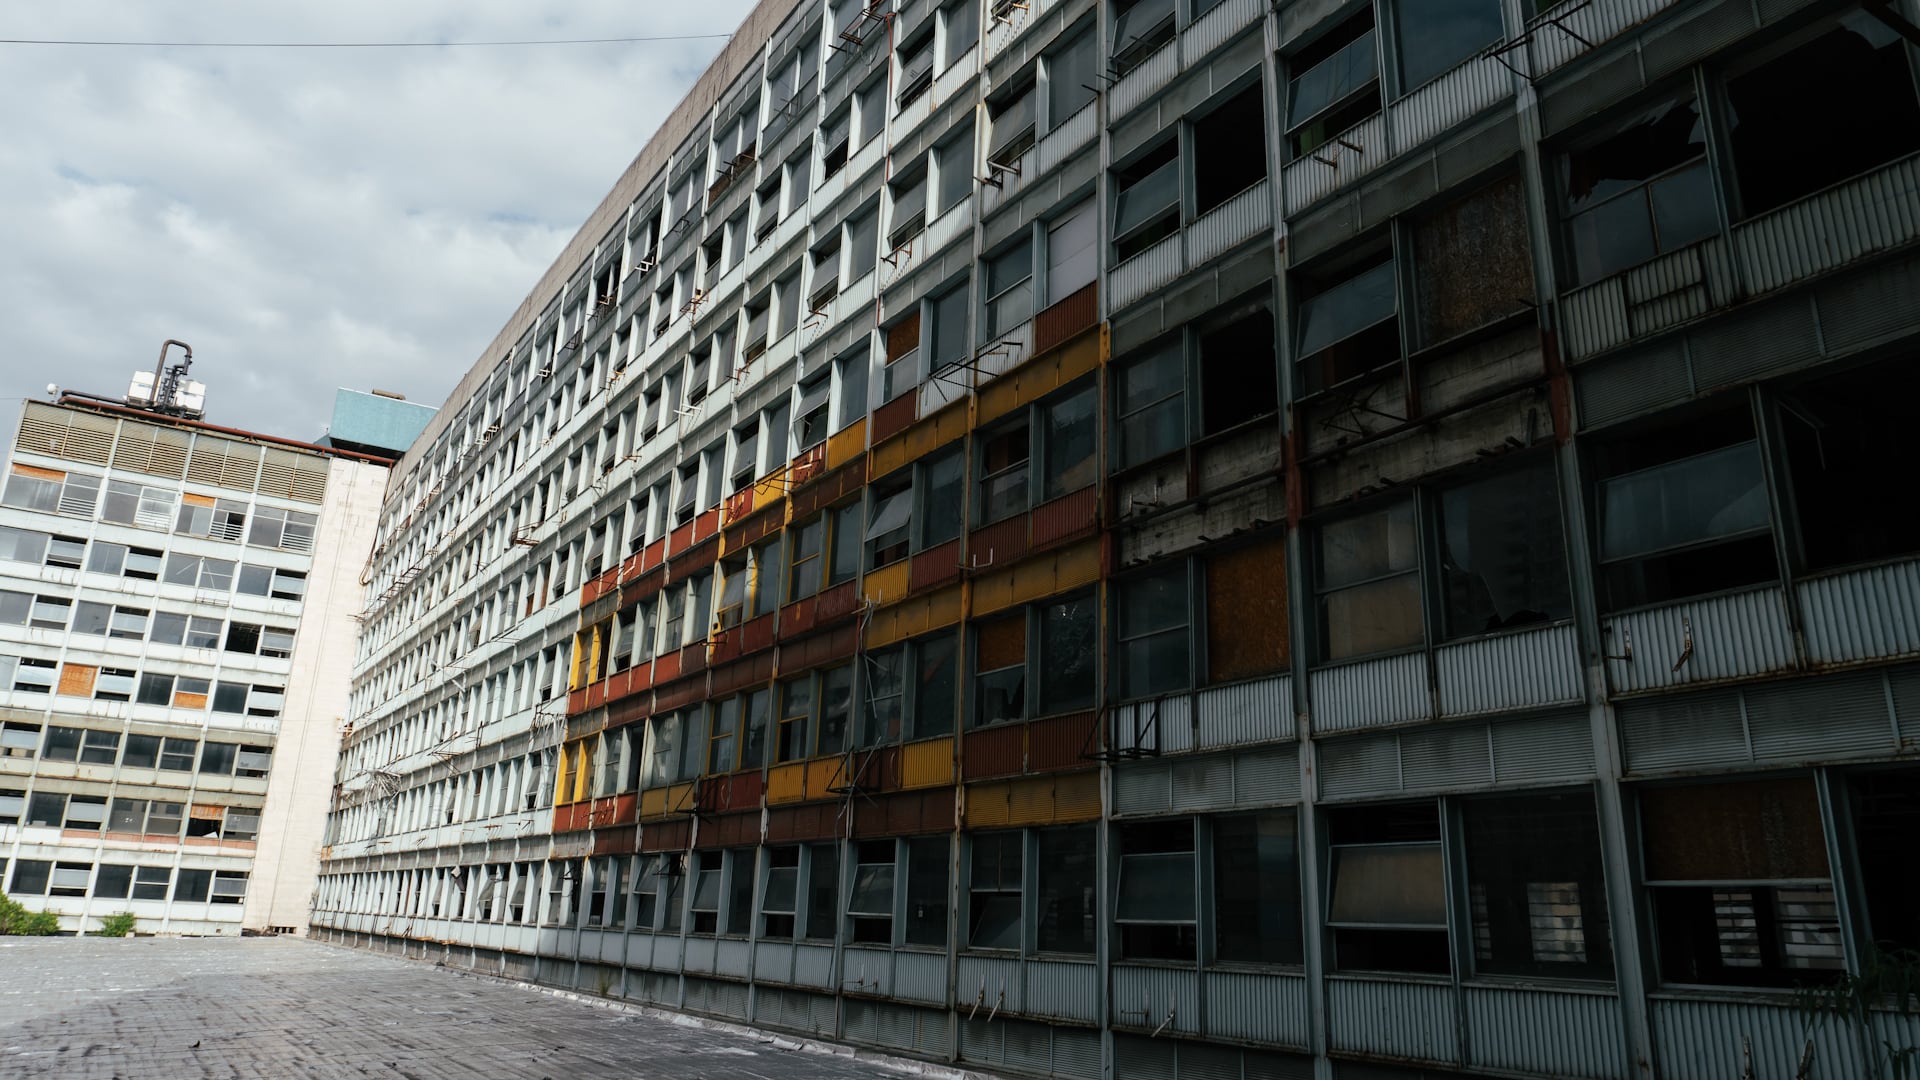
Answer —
1674 602
1348 661
1505 631
1590 987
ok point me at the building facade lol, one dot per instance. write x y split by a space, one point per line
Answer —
1187 538
175 646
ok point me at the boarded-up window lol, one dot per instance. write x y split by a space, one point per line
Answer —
1000 643
76 680
1247 610
1753 830
903 337
1472 264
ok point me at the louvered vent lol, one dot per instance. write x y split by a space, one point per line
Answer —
152 450
63 433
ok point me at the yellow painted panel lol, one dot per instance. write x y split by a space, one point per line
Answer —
1076 797
920 438
680 798
926 764
583 774
885 584
563 780
916 616
653 802
1038 378
1037 578
993 592
986 806
823 775
847 445
787 783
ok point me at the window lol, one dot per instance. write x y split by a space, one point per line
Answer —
1348 325
13 802
1334 85
47 809
176 755
768 564
51 491
128 623
836 136
1738 877
994 891
1538 896
1010 289
1000 670
916 69
215 519
276 643
1502 560
1013 112
888 524
1800 90
1151 403
1068 443
794 741
1683 511
935 685
810 425
885 694
142 564
50 612
753 745
953 165
230 697
1840 432
1154 628
1229 149
863 250
1256 888
288 530
66 552
99 747
941 498
1886 811
723 731
959 31
705 899
843 540
1637 188
1003 472
823 891
22 545
1069 655
17 607
30 877
804 565
1487 229
63 744
929 860
836 709
1146 201
217 758
1387 905
30 674
243 638
1155 904
870 904
1369 583
779 903
1072 73
1432 37
1072 255
19 739
1140 28
87 812
950 313
200 572
909 195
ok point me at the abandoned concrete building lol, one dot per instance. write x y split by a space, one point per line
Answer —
176 644
1190 538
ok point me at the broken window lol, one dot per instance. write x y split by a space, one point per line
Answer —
794 740
823 891
870 904
936 685
1154 619
1817 82
1369 583
1502 555
929 860
1140 28
1246 607
1844 434
1000 670
1146 200
994 891
1637 188
1239 380
885 697
1886 817
1064 896
1683 511
1154 907
1472 262
836 709
1387 902
1535 886
1739 881
1334 84
1068 654
1349 324
1256 888
1229 149
1432 36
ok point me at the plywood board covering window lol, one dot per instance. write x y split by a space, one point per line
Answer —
76 680
1247 611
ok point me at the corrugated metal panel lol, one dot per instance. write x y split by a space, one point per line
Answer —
1686 731
1235 221
1847 222
867 971
1266 777
1216 28
1633 382
773 962
1905 683
1352 768
1734 636
1153 997
1063 990
1076 1053
1544 1032
1572 27
1202 783
1512 671
1453 756
699 954
1149 78
988 981
1370 693
733 958
1247 712
1594 318
1551 749
1151 269
1142 789
1316 175
1870 614
1065 140
920 976
1261 1008
1446 101
1392 1019
1705 1038
813 965
1174 725
1820 719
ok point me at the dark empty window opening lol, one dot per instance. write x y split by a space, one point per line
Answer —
1335 84
1844 434
1229 150
1146 201
1683 511
1851 83
1639 188
1535 886
1886 817
1502 554
1238 377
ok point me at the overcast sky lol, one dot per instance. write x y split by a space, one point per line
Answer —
306 218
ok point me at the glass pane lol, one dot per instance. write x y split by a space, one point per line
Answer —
1156 888
1710 496
1256 889
1434 35
1372 618
1319 87
1068 656
1368 546
1632 152
872 891
1347 308
1538 895
1071 255
1069 443
1147 198
1388 885
1071 78
1502 557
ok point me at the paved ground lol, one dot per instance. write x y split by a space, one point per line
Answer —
147 1008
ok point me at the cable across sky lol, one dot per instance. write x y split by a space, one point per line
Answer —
359 44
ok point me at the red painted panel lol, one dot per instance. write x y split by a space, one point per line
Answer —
646 586
1058 742
996 751
679 539
893 417
817 821
997 544
755 634
737 505
653 555
934 566
630 711
682 692
691 562
576 702
1067 517
706 526
808 466
666 836
837 602
744 789
831 488
618 841
666 667
796 618
1056 325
